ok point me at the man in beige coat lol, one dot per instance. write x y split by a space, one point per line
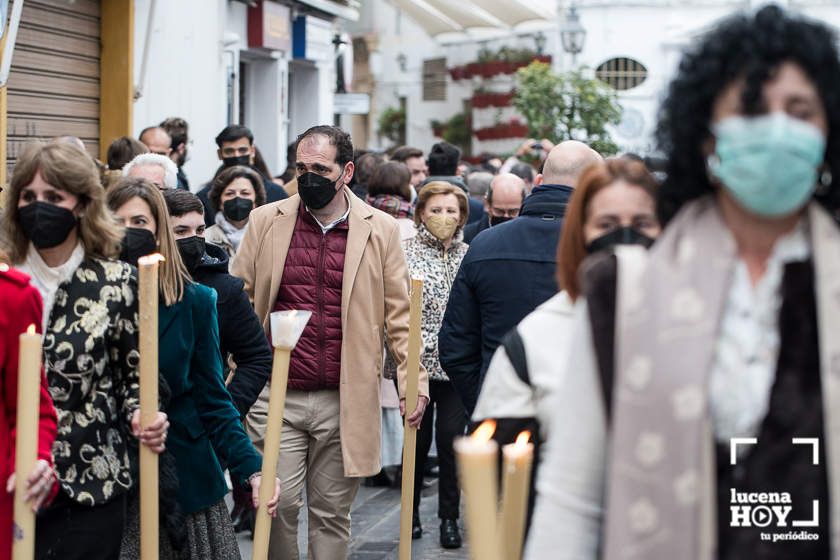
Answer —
326 251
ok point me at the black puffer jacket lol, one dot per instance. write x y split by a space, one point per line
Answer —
240 333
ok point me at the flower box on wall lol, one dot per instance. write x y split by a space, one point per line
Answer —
489 68
482 100
512 129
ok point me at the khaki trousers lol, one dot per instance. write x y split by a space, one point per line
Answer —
310 457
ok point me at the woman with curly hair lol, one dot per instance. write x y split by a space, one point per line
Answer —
57 230
235 192
706 375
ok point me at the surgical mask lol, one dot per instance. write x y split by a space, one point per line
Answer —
136 243
46 225
192 251
237 160
619 236
768 163
442 227
315 190
496 220
237 209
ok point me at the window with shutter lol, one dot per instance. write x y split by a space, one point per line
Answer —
434 79
621 73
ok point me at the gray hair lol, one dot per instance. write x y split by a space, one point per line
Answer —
478 183
170 180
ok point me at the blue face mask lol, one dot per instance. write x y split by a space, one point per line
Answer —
768 163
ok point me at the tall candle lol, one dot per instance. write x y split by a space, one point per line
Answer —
148 269
26 442
476 456
410 433
286 329
516 481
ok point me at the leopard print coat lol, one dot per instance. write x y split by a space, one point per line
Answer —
427 258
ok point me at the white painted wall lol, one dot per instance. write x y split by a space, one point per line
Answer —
185 74
193 46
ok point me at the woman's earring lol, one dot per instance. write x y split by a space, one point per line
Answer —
824 181
826 178
712 163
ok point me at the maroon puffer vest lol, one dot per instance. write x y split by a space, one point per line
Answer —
312 279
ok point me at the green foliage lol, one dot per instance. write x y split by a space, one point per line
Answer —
392 125
567 107
457 130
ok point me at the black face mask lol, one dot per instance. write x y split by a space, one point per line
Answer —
316 191
46 225
192 251
237 209
619 236
496 220
237 160
138 242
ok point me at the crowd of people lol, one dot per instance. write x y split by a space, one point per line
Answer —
636 321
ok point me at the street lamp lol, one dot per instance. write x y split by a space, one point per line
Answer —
539 41
572 34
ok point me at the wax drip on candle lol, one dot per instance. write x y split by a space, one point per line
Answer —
150 259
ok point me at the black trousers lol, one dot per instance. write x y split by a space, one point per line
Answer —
68 530
450 421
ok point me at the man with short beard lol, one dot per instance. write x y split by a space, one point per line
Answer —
325 251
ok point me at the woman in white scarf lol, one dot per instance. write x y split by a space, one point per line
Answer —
723 391
56 228
234 194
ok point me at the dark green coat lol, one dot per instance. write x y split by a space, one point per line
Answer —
205 429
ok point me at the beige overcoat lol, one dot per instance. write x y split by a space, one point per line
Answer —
374 302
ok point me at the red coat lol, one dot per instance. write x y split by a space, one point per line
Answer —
312 280
20 306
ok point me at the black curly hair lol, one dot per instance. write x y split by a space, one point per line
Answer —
750 47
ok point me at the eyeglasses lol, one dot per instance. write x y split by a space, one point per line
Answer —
504 212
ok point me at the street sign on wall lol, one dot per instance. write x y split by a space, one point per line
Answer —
270 26
351 104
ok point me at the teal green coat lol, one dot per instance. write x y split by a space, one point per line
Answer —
205 430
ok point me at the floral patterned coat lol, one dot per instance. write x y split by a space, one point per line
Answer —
427 258
91 359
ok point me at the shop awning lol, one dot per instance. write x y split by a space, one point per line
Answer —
446 16
346 9
466 14
432 20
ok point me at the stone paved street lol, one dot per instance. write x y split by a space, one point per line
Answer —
376 521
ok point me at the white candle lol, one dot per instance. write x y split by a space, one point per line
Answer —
148 270
518 459
26 442
477 470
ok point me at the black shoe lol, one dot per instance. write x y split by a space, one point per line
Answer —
450 535
236 515
246 521
416 528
